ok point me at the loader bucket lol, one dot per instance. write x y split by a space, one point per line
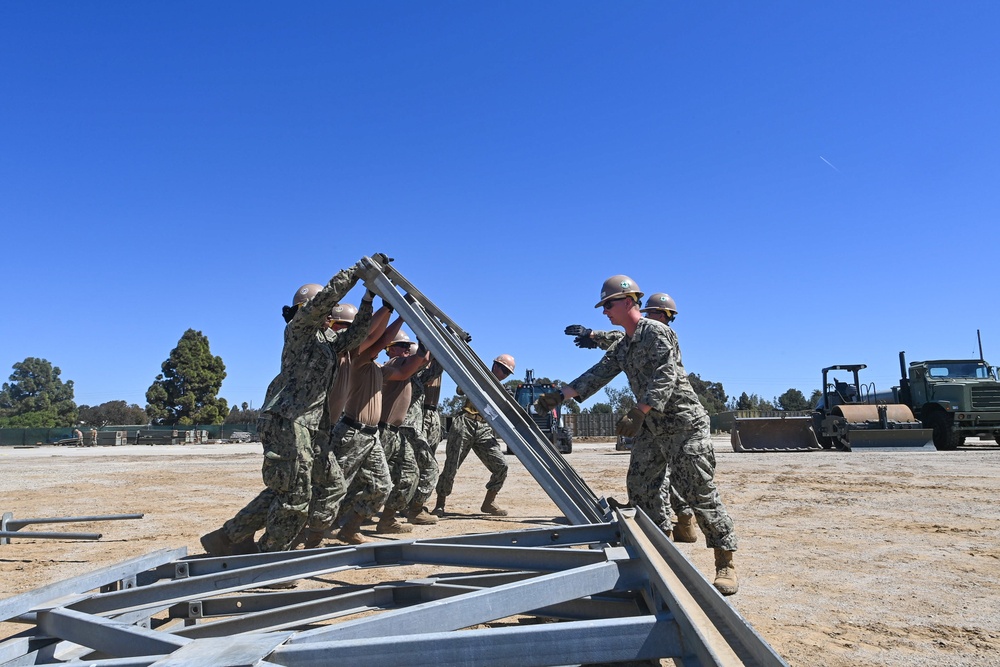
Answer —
893 440
774 434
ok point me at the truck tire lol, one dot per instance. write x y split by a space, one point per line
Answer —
945 438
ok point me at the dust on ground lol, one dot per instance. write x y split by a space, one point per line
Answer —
863 558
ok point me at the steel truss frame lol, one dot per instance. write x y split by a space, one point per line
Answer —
594 593
609 588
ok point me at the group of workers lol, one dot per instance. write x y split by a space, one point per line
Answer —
346 437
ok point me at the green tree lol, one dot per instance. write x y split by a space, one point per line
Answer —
451 406
621 400
242 414
36 397
711 394
601 409
814 398
112 412
793 399
751 402
186 392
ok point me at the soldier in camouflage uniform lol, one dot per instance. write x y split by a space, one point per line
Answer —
470 431
669 425
422 431
356 440
293 417
397 390
662 308
328 481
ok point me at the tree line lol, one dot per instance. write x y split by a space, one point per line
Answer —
185 392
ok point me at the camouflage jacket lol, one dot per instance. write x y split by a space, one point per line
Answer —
309 355
651 361
605 339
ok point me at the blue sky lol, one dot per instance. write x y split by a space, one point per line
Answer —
814 183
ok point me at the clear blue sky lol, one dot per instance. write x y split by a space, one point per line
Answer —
814 183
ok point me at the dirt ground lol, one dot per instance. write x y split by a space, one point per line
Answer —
864 558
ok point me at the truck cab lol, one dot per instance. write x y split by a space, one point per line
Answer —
955 397
551 423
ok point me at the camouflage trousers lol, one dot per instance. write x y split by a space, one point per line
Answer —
281 509
402 468
468 434
427 464
328 484
365 470
431 430
683 460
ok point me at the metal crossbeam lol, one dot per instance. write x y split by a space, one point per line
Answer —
449 345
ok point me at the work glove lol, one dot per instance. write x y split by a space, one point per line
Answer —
382 258
582 336
369 296
629 425
387 305
421 348
548 401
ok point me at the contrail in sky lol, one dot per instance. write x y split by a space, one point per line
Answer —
829 163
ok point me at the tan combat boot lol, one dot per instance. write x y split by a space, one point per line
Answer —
686 529
725 572
490 506
313 539
439 506
351 532
217 543
419 516
388 524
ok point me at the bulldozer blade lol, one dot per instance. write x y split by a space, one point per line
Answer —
892 440
774 434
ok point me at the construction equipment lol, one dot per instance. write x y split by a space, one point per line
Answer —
551 423
849 416
955 398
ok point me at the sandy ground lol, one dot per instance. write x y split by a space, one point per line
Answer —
864 558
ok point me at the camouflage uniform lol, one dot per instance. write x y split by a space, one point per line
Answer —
363 463
604 340
420 423
470 431
403 468
673 445
294 416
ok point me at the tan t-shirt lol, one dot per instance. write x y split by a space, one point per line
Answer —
336 398
396 395
364 393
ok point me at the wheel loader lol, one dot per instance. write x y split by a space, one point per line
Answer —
847 417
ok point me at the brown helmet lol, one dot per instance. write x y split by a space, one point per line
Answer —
400 337
343 313
660 301
506 361
305 293
618 286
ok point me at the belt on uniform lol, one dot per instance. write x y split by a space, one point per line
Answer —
474 415
432 408
392 428
364 428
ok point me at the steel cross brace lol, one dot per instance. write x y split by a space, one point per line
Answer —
449 344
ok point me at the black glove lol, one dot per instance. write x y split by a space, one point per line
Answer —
421 350
548 401
386 305
369 296
631 423
577 330
585 342
381 258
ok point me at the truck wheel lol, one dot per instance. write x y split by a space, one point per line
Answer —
945 438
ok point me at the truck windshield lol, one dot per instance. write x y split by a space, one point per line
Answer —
965 369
